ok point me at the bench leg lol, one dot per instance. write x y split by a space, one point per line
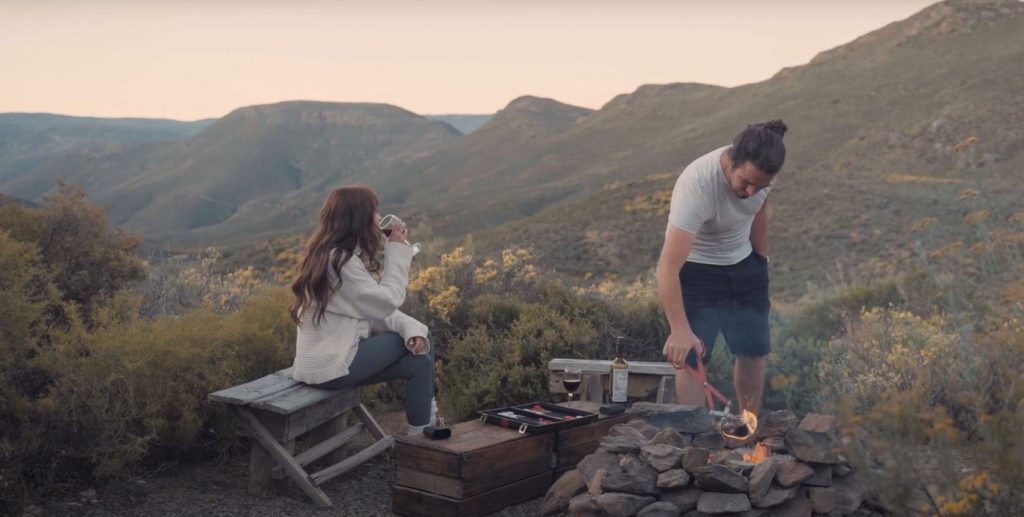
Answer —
327 430
264 480
282 456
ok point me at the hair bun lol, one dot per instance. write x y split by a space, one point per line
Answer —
776 126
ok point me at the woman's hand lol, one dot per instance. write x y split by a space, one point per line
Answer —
677 346
418 345
399 233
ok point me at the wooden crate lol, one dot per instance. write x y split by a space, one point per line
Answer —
480 469
483 468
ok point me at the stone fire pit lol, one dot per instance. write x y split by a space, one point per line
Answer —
669 460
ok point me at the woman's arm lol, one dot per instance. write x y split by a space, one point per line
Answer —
361 296
403 325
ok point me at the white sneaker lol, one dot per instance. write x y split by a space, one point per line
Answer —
418 429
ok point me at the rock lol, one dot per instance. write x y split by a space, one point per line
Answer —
659 509
629 484
694 458
595 485
792 472
823 500
718 478
662 456
622 505
816 423
88 494
812 446
775 423
628 430
775 444
685 499
777 495
584 506
648 431
623 444
673 479
685 419
712 440
637 477
841 470
761 480
568 486
669 436
742 466
822 476
849 492
722 456
715 502
600 461
799 506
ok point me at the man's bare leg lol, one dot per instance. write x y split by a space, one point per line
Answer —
748 375
689 391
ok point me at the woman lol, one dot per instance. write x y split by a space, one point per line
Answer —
351 332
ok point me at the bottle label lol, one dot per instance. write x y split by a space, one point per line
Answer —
620 379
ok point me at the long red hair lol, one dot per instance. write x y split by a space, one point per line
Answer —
347 224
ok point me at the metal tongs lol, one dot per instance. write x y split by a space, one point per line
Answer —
725 418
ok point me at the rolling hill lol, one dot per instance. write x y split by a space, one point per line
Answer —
873 126
29 140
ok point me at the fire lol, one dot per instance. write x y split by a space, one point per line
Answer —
760 454
744 429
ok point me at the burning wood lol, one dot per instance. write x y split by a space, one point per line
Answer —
760 454
739 427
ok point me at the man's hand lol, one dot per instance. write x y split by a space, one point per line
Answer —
418 345
677 346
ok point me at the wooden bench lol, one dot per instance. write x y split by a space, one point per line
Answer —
646 379
276 410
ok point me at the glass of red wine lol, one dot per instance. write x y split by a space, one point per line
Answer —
571 379
388 223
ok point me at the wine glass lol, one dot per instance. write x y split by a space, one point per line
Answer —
388 223
571 379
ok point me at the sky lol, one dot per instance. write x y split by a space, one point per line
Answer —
192 59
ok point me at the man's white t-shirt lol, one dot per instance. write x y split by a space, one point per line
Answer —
705 205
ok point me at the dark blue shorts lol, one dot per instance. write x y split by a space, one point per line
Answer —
732 300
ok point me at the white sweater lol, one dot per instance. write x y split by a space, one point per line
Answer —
324 352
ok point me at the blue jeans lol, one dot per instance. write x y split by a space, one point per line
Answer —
384 357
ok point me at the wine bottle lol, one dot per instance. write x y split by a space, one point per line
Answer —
619 376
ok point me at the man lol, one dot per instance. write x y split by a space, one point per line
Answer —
713 269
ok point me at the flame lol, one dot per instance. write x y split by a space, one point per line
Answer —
761 453
745 430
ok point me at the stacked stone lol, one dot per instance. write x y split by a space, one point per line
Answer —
670 461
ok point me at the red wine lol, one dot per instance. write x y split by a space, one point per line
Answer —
571 386
387 233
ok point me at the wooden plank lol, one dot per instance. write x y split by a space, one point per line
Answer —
353 461
417 503
603 366
369 422
323 448
244 394
326 410
473 449
569 456
463 488
590 432
300 397
477 462
282 456
666 391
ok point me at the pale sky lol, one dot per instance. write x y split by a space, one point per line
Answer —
191 59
